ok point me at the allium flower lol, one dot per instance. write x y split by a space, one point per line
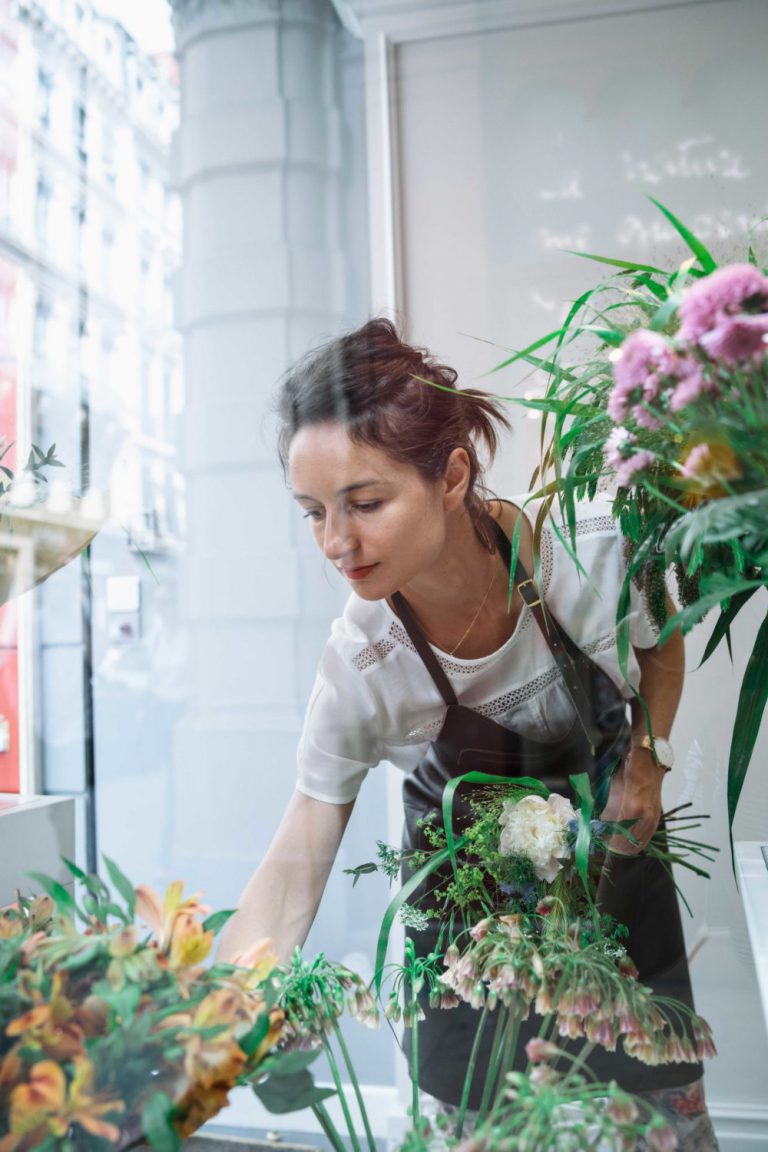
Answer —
709 307
661 1140
537 829
538 1049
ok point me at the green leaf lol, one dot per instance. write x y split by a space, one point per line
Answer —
122 884
664 314
527 350
583 791
254 1037
289 1063
717 589
361 870
282 1094
63 898
627 265
723 626
702 254
716 522
749 714
73 868
401 898
216 922
157 1124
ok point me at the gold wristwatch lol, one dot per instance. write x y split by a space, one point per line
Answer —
660 749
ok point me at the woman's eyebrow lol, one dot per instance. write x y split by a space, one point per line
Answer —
342 491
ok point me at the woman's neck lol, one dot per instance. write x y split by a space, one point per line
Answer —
462 602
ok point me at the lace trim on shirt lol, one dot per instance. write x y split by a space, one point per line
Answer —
602 523
501 705
510 700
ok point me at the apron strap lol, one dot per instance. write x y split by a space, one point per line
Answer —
560 644
421 644
569 658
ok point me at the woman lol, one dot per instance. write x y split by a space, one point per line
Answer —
383 460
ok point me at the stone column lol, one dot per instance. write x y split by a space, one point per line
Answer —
257 164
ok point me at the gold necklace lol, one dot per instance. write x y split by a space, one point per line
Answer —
472 622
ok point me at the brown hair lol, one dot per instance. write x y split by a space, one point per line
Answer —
397 398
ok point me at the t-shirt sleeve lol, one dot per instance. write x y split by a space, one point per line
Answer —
341 739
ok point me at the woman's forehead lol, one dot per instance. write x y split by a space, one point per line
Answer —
325 454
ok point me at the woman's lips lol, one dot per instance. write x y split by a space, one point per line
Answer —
358 573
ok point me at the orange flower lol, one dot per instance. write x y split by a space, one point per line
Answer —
190 944
259 959
45 1105
161 918
198 1105
708 468
40 1102
51 1027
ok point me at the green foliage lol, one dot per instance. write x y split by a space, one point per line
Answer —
705 520
136 1035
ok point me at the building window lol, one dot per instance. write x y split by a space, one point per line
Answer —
42 320
44 93
80 117
108 153
43 195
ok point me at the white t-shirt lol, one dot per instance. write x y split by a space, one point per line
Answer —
374 700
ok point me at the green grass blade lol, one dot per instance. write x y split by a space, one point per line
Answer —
749 714
627 265
702 254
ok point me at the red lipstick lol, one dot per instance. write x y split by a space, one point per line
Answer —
358 573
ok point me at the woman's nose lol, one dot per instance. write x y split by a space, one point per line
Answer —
338 539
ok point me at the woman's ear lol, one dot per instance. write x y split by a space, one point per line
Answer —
456 479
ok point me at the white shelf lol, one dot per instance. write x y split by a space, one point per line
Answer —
752 874
35 832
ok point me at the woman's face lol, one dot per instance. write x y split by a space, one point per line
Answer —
377 520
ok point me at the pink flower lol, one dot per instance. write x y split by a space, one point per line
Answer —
630 467
692 383
538 1049
738 339
697 460
708 303
647 360
661 1140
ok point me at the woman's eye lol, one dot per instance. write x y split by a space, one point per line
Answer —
312 514
367 506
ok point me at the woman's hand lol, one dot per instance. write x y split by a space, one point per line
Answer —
636 788
635 795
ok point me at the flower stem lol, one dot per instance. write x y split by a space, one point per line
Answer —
328 1127
471 1071
511 1032
493 1063
342 1097
355 1086
415 1061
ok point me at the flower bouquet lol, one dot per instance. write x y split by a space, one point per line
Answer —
658 383
519 931
111 1034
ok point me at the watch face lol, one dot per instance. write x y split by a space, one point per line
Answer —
664 753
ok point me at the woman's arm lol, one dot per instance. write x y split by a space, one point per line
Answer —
282 897
636 788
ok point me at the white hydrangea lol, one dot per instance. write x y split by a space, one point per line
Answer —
537 829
